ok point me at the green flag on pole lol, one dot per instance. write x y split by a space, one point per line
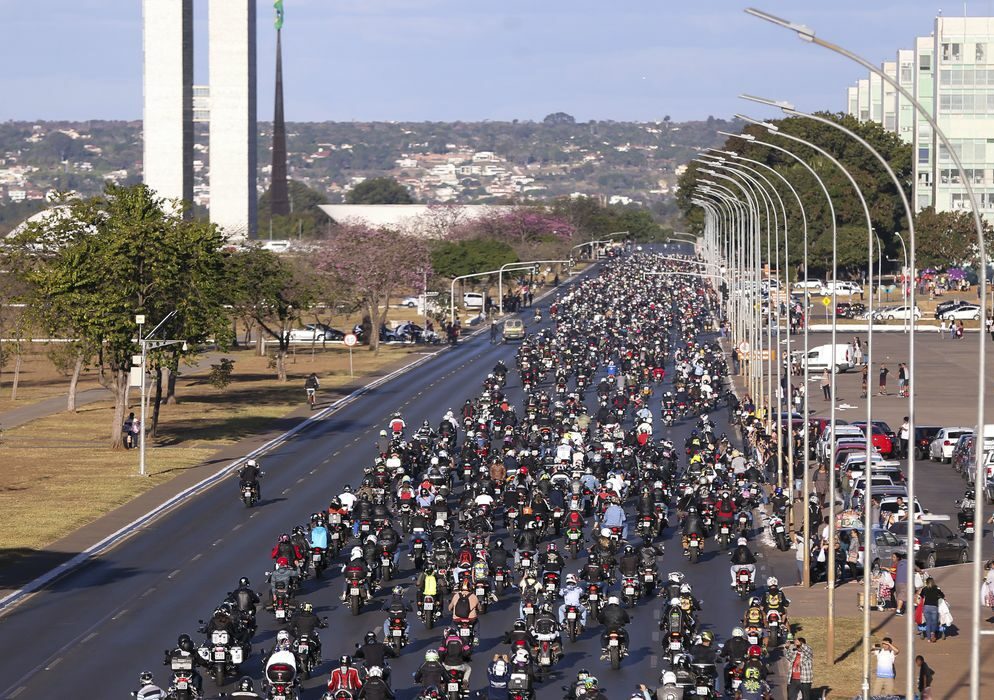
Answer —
278 4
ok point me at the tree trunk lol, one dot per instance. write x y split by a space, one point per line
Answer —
374 327
171 385
157 402
281 365
260 344
17 373
117 384
74 382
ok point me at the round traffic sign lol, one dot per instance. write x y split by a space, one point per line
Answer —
827 301
350 339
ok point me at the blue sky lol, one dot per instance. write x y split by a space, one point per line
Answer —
471 60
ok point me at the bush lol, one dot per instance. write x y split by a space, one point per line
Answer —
220 374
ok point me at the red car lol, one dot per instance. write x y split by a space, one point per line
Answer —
880 439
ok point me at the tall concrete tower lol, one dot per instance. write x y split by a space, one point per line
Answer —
168 97
233 131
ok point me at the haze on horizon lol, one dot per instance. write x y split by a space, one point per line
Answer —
445 60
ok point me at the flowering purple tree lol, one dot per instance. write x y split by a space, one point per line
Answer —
518 226
374 262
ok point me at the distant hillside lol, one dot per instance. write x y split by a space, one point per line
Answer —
464 162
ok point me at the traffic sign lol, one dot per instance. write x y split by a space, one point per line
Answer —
350 339
827 301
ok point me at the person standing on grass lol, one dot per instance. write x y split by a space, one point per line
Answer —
826 385
882 380
883 680
800 661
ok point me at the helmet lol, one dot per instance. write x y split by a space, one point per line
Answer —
431 655
521 656
356 553
344 660
742 542
669 678
251 463
284 537
282 561
551 547
298 530
282 636
370 638
307 607
347 489
755 602
185 643
772 582
755 651
376 671
398 590
605 532
685 588
245 684
499 544
778 491
737 632
519 625
145 678
613 600
707 636
243 582
570 578
629 549
675 601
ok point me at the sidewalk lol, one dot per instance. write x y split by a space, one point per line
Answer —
949 658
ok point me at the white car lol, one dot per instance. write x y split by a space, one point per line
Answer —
842 289
967 312
411 302
316 332
941 449
809 284
899 313
472 300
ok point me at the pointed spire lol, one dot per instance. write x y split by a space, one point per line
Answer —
279 198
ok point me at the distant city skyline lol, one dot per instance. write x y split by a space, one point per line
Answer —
444 60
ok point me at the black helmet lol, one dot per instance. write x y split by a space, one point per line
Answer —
185 643
245 684
629 549
345 660
370 638
145 678
243 582
519 625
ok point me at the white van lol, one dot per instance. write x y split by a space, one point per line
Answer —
823 357
841 289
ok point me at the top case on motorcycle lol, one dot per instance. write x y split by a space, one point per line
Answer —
281 667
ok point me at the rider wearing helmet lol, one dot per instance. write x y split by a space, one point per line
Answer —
185 655
572 594
628 562
147 689
614 618
375 687
552 560
397 607
356 571
704 653
734 652
344 677
743 558
376 653
305 624
775 598
249 475
668 689
431 674
245 689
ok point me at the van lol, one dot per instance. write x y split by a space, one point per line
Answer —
823 357
514 329
842 289
472 300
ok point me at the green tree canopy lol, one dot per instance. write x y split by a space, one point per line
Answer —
379 190
454 258
946 238
305 219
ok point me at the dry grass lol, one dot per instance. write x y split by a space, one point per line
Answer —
38 378
58 473
844 679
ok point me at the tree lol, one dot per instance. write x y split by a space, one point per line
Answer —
306 220
519 225
455 258
559 118
112 257
946 238
272 291
379 190
374 262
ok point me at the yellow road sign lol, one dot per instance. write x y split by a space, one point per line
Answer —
827 301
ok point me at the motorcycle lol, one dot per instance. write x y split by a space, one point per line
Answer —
182 686
305 655
616 650
357 594
525 559
724 535
704 683
455 688
648 577
695 546
418 552
675 645
631 589
397 632
428 611
250 494
594 598
282 604
777 626
545 656
779 533
319 561
647 528
574 538
573 628
528 607
483 595
743 583
223 654
550 585
500 579
281 675
386 565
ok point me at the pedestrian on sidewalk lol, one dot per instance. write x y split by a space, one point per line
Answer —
799 548
735 360
883 679
864 378
902 379
905 436
990 325
931 595
987 588
941 330
820 479
857 351
800 660
925 675
899 564
826 385
882 380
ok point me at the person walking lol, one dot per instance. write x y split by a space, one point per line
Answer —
857 351
826 385
990 325
820 480
494 328
735 360
799 547
931 595
959 330
800 661
941 330
882 380
925 675
883 679
864 379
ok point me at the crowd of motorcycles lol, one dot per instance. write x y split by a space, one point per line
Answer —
497 501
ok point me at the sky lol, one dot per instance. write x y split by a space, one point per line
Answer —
447 60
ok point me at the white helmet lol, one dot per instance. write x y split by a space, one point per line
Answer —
251 463
282 636
521 656
605 532
669 678
676 576
772 581
375 672
738 632
356 553
742 542
613 600
685 588
674 601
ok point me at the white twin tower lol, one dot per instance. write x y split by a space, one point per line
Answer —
169 107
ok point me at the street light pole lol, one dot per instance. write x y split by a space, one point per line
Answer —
146 342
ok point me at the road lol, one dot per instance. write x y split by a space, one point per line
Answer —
102 624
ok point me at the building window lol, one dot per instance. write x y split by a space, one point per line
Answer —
905 73
981 53
925 62
923 156
952 53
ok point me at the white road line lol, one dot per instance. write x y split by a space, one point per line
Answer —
285 492
18 691
254 514
201 554
217 542
54 664
88 637
148 592
119 614
300 480
233 529
173 573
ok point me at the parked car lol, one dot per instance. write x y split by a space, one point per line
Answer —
934 544
410 302
951 305
883 545
822 357
897 313
941 449
879 438
316 332
841 289
964 312
472 300
850 309
809 284
924 435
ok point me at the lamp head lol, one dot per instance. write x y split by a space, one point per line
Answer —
781 104
804 32
772 128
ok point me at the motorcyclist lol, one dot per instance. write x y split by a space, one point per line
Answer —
356 571
614 517
669 690
286 549
734 652
147 689
551 559
572 594
546 629
389 539
464 605
397 607
742 558
344 677
318 537
283 574
705 655
306 623
375 687
455 655
614 618
693 524
519 634
966 508
498 674
245 689
250 475
628 562
427 583
376 653
774 599
431 673
521 665
185 653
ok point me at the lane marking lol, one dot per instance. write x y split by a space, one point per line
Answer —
232 529
18 691
217 542
120 614
173 573
285 492
54 664
88 637
148 592
200 555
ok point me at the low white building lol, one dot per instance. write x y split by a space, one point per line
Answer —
428 220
